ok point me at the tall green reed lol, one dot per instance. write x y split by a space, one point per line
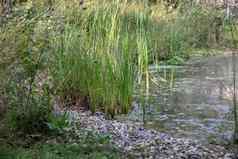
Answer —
105 50
93 59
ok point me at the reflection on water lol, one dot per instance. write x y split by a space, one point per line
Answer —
191 101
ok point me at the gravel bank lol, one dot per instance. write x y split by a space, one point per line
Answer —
140 143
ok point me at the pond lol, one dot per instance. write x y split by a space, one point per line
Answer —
193 100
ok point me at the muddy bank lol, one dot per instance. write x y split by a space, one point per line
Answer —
137 142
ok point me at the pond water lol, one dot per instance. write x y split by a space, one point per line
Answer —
194 100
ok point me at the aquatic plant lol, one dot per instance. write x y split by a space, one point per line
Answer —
94 59
104 49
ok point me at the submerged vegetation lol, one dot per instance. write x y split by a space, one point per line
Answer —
92 55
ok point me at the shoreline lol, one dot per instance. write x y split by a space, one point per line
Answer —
134 141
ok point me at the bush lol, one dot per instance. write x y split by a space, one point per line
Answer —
28 110
29 115
57 123
29 104
204 26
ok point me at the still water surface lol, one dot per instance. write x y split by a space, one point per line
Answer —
194 100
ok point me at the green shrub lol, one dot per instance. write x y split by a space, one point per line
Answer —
29 104
173 40
57 123
204 27
28 110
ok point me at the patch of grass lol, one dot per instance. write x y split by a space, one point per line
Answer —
59 151
90 146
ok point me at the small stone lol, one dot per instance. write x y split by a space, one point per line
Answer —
228 156
135 140
194 156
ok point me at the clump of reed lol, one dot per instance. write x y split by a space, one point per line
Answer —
105 50
95 59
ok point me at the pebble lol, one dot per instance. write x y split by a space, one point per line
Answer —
134 140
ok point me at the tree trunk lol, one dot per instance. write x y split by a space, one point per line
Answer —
218 27
234 65
234 97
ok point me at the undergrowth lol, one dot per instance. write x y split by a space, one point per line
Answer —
88 146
